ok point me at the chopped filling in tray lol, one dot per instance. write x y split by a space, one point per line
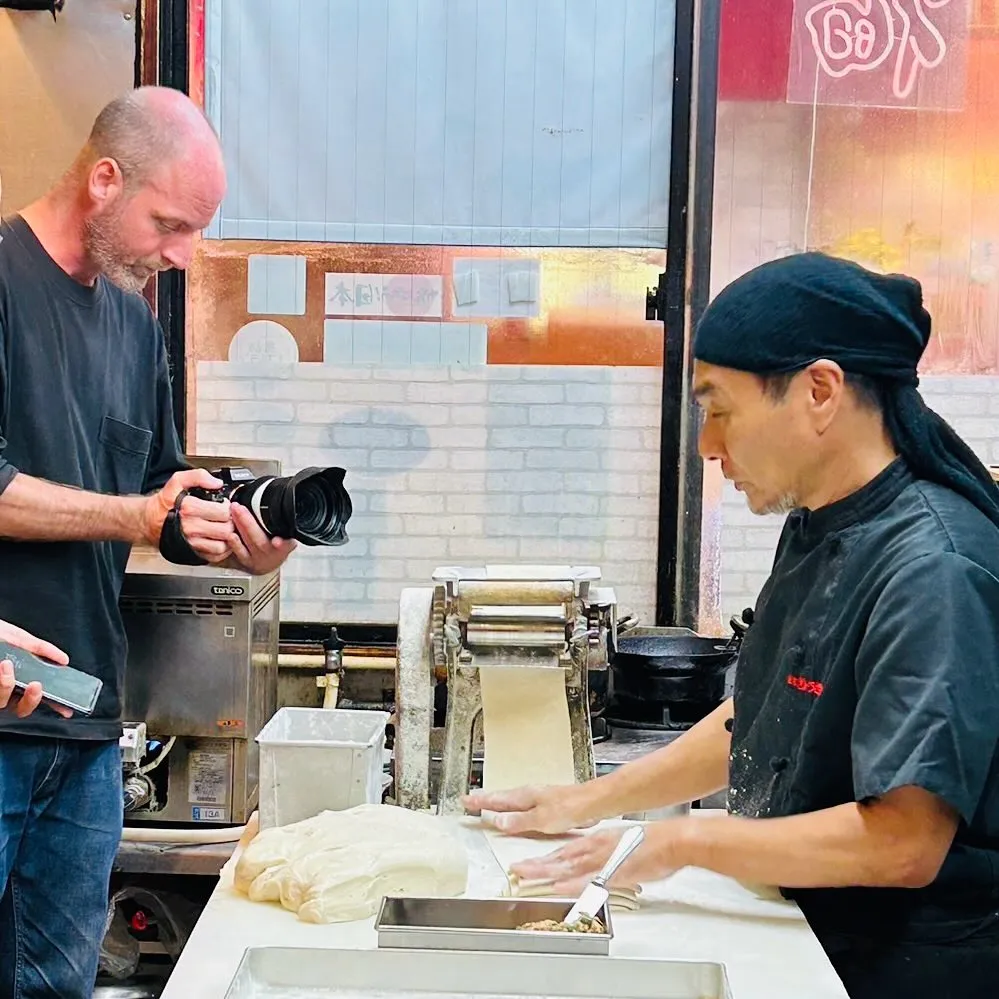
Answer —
585 924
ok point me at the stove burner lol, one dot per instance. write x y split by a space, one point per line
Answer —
667 726
631 713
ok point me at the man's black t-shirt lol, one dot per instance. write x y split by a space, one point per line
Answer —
85 402
873 664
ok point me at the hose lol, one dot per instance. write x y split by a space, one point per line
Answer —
161 756
188 837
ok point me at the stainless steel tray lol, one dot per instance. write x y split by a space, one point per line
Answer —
303 973
485 924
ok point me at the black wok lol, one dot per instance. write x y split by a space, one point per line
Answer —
667 668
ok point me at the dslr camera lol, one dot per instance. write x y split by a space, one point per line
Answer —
312 507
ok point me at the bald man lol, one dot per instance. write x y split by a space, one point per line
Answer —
90 464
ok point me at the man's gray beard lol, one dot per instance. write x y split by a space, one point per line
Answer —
102 249
784 505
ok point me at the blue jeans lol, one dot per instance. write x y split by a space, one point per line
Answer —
60 826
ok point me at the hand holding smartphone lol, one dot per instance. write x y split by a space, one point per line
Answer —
33 671
21 702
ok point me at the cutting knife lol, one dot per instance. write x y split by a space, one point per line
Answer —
595 894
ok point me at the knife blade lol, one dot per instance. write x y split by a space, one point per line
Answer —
595 894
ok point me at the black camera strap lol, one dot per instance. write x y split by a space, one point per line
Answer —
174 547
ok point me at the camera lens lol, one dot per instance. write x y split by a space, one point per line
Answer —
312 507
321 508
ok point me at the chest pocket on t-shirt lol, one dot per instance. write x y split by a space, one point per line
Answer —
125 455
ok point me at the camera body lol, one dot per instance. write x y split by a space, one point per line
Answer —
232 476
311 507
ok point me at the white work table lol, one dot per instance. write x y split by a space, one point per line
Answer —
765 957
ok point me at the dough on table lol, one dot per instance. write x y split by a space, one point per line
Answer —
623 897
525 724
337 866
769 893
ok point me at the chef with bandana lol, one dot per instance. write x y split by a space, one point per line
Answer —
860 747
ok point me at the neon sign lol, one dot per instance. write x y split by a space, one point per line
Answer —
886 53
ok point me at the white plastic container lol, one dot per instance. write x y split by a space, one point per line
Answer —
315 759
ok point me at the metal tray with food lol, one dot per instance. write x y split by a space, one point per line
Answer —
525 925
305 973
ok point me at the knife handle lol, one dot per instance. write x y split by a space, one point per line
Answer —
627 845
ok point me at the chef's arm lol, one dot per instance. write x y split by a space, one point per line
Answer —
897 841
691 767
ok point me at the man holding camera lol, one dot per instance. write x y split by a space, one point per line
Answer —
90 464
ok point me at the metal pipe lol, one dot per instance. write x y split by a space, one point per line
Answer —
331 690
318 662
143 834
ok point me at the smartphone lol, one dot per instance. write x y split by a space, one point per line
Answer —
62 685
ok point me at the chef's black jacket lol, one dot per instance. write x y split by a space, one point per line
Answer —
873 664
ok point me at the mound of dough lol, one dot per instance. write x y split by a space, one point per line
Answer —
337 866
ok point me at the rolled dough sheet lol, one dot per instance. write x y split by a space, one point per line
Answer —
620 897
525 723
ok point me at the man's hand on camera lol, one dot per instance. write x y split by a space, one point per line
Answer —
22 703
252 548
207 526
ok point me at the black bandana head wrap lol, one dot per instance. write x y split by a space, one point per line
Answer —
784 315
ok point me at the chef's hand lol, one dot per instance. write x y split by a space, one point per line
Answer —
548 810
251 547
573 866
23 703
207 526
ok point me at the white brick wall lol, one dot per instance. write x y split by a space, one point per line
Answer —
497 463
970 403
452 465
